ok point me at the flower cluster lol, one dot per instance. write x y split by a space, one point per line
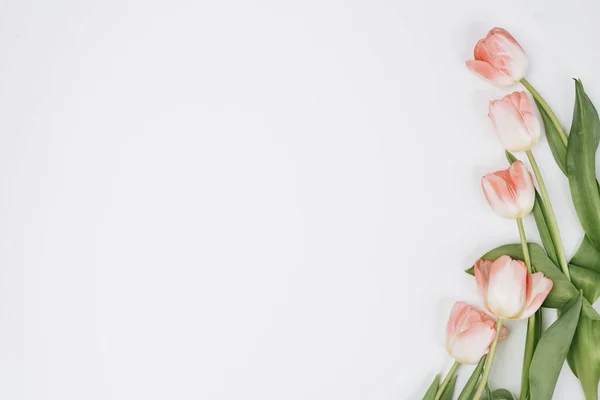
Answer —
509 288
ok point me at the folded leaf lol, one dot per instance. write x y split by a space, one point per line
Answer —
558 148
584 356
433 388
581 164
471 384
552 350
449 391
499 394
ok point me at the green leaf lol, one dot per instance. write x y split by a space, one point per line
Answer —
449 391
584 356
587 256
502 394
471 384
586 280
552 350
499 394
562 289
581 164
433 388
558 148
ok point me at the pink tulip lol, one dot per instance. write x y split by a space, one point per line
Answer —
470 333
515 121
511 192
499 58
507 290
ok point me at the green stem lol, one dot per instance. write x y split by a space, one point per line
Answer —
524 244
530 338
552 224
546 107
488 364
447 380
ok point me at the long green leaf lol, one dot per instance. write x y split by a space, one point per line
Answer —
499 394
433 388
471 384
558 148
586 280
584 356
449 391
552 350
581 164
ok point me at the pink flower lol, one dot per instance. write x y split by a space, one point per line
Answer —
511 192
507 290
469 333
515 121
499 58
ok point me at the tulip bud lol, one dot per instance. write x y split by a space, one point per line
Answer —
469 333
499 58
515 122
511 192
507 290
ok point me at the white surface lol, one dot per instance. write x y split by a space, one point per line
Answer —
256 199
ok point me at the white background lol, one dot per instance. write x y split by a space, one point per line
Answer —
239 200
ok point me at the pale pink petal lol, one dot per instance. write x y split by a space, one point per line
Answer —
500 196
524 187
482 273
458 313
538 287
492 324
487 71
469 346
509 125
507 288
481 52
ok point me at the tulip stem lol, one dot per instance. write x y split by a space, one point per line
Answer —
447 380
551 218
540 100
488 364
526 257
530 338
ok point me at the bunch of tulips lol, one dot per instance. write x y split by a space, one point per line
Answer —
514 281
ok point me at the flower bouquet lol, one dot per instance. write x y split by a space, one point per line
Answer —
515 280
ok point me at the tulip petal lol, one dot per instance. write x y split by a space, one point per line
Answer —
524 186
469 346
510 126
482 274
507 288
492 324
538 287
487 71
500 196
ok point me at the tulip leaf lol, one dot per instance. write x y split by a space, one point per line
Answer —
552 350
558 148
539 214
471 384
562 289
448 393
586 280
584 356
581 164
587 256
433 388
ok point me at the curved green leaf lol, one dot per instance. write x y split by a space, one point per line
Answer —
499 394
433 388
471 384
558 148
581 164
586 280
552 350
584 356
449 391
